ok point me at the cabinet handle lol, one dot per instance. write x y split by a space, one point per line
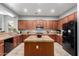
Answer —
37 47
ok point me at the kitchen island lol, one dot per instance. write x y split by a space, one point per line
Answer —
34 46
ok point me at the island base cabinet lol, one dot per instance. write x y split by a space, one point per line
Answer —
1 48
24 37
39 49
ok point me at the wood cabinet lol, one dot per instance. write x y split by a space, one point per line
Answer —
59 24
75 15
22 25
32 24
1 48
39 49
71 17
17 40
47 24
54 25
66 19
24 37
59 39
53 37
34 46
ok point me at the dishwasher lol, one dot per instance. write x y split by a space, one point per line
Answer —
8 45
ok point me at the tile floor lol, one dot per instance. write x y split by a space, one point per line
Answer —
19 50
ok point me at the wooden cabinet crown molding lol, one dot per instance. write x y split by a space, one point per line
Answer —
66 19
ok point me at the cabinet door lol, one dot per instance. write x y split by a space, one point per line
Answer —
46 49
22 25
39 49
1 49
15 41
60 23
33 24
50 24
45 24
53 37
24 37
75 15
54 25
65 20
31 49
71 17
59 39
19 39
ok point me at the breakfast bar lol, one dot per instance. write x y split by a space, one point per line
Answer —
39 46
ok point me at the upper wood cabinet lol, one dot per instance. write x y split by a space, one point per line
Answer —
59 24
54 25
67 19
22 25
32 24
71 17
50 24
75 15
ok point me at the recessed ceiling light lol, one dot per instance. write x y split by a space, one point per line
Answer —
52 10
39 10
25 10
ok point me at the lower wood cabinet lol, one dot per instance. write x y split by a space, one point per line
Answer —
24 37
39 49
57 38
1 48
17 40
53 37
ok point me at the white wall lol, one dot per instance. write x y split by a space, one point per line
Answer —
2 22
8 19
5 17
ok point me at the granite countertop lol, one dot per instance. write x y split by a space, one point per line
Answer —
4 36
43 33
36 39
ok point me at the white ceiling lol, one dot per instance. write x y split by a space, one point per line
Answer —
59 8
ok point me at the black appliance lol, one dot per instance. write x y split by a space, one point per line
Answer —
70 37
8 45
